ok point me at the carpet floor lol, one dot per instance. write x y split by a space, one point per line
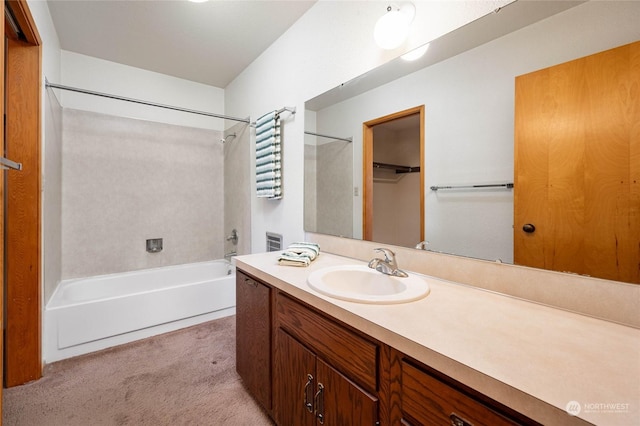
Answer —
186 377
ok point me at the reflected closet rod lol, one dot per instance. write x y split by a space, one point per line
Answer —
508 185
329 137
137 101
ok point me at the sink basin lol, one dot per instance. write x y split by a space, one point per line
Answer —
359 283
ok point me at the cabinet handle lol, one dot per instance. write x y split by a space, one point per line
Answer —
458 421
307 403
319 398
251 282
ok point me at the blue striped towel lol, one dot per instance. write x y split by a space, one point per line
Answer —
268 156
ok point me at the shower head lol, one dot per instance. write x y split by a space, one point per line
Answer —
226 138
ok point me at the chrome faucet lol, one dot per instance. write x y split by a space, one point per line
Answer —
230 254
422 245
388 265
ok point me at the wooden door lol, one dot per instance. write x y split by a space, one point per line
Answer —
2 282
342 402
253 337
577 166
294 382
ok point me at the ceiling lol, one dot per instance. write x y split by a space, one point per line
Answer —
210 43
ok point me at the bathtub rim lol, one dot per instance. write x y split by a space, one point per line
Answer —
50 304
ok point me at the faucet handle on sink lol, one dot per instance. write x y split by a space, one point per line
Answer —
389 255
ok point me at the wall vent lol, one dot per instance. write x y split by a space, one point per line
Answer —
274 241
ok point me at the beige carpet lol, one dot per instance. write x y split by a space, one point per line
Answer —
186 377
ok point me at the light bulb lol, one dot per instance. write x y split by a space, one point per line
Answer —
391 29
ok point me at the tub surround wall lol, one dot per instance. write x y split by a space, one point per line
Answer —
237 188
334 186
52 195
603 299
127 180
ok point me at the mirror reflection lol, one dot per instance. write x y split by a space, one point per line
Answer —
469 114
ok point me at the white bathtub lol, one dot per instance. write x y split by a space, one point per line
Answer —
88 314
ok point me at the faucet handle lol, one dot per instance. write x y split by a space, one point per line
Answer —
389 256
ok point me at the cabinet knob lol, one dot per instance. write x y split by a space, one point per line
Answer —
529 228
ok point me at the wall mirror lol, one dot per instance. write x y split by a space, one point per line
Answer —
465 82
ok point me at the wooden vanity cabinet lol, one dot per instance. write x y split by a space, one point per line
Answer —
323 372
327 373
253 337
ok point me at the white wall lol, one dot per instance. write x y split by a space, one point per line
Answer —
329 45
98 75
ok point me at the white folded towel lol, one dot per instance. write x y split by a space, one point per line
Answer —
299 254
291 259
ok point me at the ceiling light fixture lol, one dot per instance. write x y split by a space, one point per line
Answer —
392 28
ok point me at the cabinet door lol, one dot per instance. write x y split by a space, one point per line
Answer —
293 382
339 401
253 337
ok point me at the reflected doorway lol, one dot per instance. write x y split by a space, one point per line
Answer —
393 178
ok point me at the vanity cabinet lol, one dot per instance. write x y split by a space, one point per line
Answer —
323 372
328 373
253 337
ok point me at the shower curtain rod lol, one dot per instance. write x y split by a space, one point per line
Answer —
137 101
329 137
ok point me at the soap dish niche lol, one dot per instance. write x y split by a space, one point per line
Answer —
154 245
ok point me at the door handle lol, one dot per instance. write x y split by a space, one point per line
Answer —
529 228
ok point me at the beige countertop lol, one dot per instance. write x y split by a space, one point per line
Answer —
533 358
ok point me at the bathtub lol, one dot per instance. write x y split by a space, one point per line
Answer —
89 314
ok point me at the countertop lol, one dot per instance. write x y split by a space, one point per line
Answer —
533 358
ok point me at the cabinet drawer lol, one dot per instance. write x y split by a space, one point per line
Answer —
428 401
351 354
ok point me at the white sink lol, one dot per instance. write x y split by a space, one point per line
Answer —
359 283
